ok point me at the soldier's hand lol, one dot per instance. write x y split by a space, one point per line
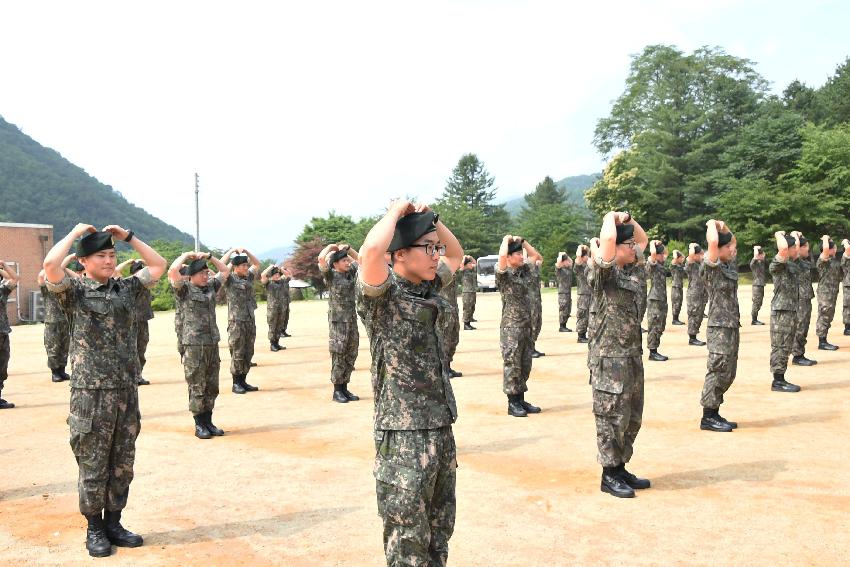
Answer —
721 226
401 207
846 244
82 229
116 231
779 233
421 208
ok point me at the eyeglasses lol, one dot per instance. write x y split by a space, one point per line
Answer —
629 243
430 248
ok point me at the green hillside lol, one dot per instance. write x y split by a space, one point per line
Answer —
575 186
37 185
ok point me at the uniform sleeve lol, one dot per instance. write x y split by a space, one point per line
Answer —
373 291
444 273
778 265
64 291
145 278
178 285
228 280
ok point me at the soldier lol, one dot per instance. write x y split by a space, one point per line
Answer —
829 278
582 293
276 280
657 299
783 307
469 281
758 269
104 414
513 277
416 457
144 313
199 334
564 276
338 264
241 327
724 321
845 285
536 307
56 334
696 293
804 312
450 325
7 286
617 367
677 270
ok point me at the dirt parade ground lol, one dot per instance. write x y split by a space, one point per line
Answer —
291 481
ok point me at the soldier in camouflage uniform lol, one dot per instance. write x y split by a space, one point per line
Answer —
724 321
56 331
199 334
783 309
757 266
616 365
450 324
696 295
104 415
144 313
829 278
513 279
276 281
469 282
677 271
582 292
657 299
241 302
536 308
845 285
805 267
416 457
338 264
7 286
564 277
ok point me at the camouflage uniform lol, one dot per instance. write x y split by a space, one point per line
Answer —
643 274
723 335
582 297
199 337
469 281
515 330
241 326
617 369
56 334
804 310
450 327
6 289
783 312
178 324
343 336
845 266
657 304
277 307
144 313
676 289
104 415
829 279
565 298
696 297
536 302
757 267
416 457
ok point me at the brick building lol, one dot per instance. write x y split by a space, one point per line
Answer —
23 248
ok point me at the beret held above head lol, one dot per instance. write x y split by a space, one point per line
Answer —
239 259
467 261
724 238
338 255
625 232
515 246
274 271
412 227
184 270
136 266
196 266
790 240
94 242
659 248
697 249
803 241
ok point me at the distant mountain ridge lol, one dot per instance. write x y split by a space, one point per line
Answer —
39 186
575 186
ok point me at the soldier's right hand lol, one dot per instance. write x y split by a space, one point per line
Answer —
82 229
402 207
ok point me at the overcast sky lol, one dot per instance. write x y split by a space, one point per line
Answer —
289 109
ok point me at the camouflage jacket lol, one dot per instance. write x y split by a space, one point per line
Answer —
277 292
53 312
580 272
449 293
341 304
197 309
757 267
845 265
241 301
534 286
804 279
786 290
513 286
469 280
696 285
6 289
410 374
658 273
678 273
144 310
564 276
617 329
722 287
103 329
829 279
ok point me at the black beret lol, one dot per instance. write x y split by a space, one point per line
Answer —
196 266
136 266
515 246
625 232
239 259
467 261
75 266
273 271
94 242
412 227
790 240
839 251
803 241
659 248
184 270
335 257
831 244
724 238
697 248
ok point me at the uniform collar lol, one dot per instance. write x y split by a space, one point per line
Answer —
96 285
420 289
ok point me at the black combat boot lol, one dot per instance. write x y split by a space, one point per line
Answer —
582 338
781 385
65 375
207 419
633 481
116 533
757 322
97 543
351 397
536 353
694 341
677 322
454 373
140 381
468 327
801 360
201 431
275 346
732 424
824 344
4 404
248 387
656 356
846 330
56 375
238 388
252 365
564 329
529 408
286 335
515 407
614 485
339 394
711 421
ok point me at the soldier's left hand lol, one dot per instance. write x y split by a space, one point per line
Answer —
116 231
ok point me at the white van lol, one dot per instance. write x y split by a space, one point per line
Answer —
487 272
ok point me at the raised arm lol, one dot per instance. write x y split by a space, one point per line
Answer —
53 270
531 252
373 268
503 252
323 255
8 273
712 237
454 251
156 264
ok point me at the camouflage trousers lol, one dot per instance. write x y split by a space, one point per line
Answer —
641 302
344 339
517 346
57 338
782 328
536 320
696 312
826 312
582 312
469 306
676 297
801 329
201 365
142 339
758 299
178 330
278 319
5 354
846 312
415 479
450 329
104 426
722 364
565 306
617 407
240 337
656 322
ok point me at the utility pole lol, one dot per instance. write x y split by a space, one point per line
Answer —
197 217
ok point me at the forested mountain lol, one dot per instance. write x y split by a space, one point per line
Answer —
38 185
